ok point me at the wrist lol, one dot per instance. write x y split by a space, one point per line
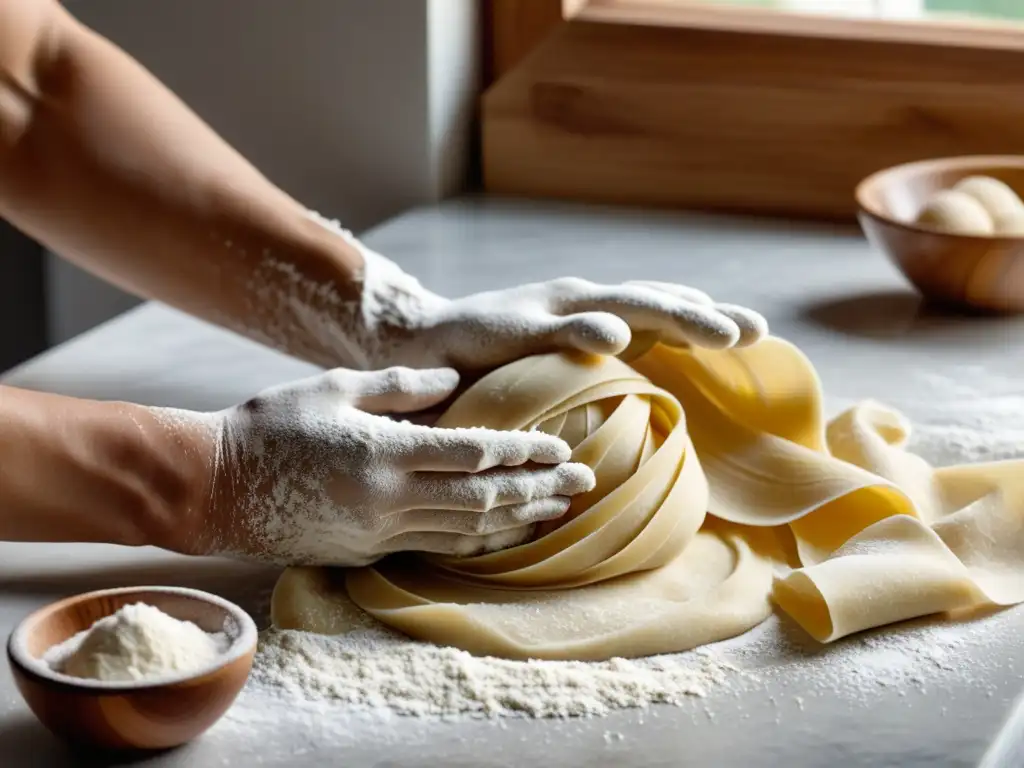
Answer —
384 325
87 471
154 468
182 451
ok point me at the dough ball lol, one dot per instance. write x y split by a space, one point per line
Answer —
995 197
307 597
1011 225
957 213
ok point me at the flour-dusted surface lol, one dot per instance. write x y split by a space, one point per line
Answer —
849 705
373 668
379 669
970 414
774 676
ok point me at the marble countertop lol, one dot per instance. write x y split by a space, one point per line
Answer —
821 287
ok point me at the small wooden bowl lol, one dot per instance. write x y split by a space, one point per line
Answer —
968 271
144 715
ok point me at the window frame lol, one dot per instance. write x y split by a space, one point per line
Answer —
677 104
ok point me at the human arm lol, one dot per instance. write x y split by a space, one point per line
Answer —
104 165
302 473
82 470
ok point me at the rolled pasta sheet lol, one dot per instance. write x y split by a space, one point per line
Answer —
881 536
716 588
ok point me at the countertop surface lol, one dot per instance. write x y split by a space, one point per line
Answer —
821 287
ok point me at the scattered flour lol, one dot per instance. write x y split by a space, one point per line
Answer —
136 643
968 417
773 676
915 656
376 668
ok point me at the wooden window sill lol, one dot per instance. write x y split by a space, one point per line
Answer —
670 103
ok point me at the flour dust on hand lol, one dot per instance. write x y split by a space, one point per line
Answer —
399 322
309 472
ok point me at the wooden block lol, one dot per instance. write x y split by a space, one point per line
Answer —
745 119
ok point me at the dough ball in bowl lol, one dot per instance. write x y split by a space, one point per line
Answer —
995 196
956 212
1010 225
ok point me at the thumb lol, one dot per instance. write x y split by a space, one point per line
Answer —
597 333
403 390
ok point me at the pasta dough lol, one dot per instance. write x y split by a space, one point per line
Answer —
1010 225
976 205
995 196
720 488
956 212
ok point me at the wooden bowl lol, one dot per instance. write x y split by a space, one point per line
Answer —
148 714
968 271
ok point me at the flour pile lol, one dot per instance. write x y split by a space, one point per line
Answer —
136 643
378 669
377 672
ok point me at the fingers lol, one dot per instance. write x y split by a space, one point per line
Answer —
753 327
678 314
476 450
396 390
684 292
679 322
597 333
495 488
454 543
513 516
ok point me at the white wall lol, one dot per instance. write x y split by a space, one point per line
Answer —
358 108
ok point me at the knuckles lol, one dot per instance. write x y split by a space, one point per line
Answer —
473 455
399 380
570 286
482 497
341 381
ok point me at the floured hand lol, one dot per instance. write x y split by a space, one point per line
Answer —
496 327
399 322
309 474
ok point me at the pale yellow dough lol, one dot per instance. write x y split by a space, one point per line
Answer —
717 475
976 205
1010 225
995 196
956 212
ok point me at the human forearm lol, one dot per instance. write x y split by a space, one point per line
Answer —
80 470
107 167
104 165
297 474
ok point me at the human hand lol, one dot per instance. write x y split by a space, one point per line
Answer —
492 328
308 474
399 322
